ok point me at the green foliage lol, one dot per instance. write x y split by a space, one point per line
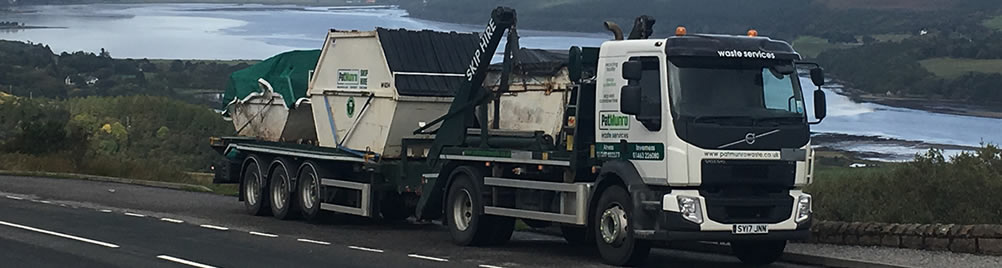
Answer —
142 137
32 70
929 189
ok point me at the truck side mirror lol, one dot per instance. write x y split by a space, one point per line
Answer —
629 100
820 105
633 70
818 76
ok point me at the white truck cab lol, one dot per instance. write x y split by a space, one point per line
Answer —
717 126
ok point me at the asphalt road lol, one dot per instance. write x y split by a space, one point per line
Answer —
61 222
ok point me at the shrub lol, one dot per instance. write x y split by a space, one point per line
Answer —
930 189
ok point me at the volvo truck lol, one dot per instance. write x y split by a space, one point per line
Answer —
692 137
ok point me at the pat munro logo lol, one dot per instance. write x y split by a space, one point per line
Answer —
746 54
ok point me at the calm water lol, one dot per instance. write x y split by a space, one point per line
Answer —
211 31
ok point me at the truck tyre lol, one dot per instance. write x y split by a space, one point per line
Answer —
255 198
577 235
758 252
464 210
308 191
280 189
614 232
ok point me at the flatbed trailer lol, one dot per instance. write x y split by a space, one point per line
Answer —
629 166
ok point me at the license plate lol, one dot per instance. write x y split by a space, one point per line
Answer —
751 229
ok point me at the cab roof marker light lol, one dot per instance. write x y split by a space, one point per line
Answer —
753 33
680 31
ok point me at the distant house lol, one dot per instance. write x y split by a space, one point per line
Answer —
87 80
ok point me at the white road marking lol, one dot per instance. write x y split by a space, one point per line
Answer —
366 249
77 238
185 262
427 258
489 266
62 205
105 210
15 197
135 215
264 234
171 220
313 241
45 202
214 227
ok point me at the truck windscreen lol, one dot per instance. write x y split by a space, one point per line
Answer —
736 91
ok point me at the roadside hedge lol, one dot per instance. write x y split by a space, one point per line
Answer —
932 188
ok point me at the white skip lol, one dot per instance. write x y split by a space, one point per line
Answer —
185 262
366 249
135 215
264 234
313 241
15 197
427 258
214 227
77 238
171 220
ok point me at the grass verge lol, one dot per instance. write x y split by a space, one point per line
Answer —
145 173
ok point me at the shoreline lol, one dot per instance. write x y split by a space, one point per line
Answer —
930 104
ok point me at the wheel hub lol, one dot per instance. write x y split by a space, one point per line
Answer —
310 193
613 225
280 191
253 190
462 210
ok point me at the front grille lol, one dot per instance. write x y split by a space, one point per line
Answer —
748 191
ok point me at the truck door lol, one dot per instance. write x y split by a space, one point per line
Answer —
644 133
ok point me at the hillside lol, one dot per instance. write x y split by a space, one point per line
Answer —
892 48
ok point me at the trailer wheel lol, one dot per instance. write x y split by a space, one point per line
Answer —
255 200
758 252
577 235
280 191
308 192
613 231
464 214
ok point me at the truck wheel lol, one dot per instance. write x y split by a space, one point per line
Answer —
613 230
464 214
577 235
280 191
308 192
255 200
758 252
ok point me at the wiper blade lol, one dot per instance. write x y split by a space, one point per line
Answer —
725 120
781 120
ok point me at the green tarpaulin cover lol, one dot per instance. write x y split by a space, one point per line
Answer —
288 73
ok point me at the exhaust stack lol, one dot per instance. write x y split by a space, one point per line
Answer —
614 28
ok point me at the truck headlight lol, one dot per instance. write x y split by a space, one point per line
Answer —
691 209
803 208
